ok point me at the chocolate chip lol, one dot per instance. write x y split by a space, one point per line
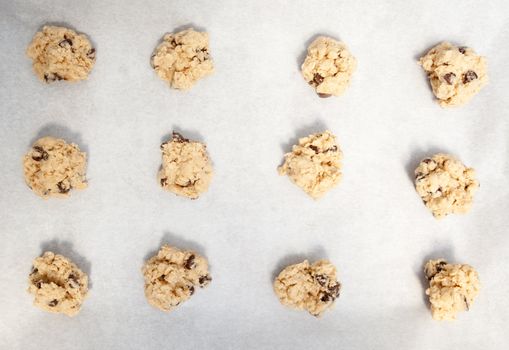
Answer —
173 43
176 137
203 280
450 78
73 281
326 297
52 303
318 79
427 160
51 77
466 303
469 76
43 155
34 270
321 279
440 266
191 290
91 54
334 290
38 284
462 49
324 95
314 148
62 187
190 262
164 181
65 42
332 149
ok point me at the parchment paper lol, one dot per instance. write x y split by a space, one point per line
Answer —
253 222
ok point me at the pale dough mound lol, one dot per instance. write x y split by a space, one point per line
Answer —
456 74
313 288
183 58
53 167
57 284
172 275
314 164
186 168
60 53
452 288
328 66
445 185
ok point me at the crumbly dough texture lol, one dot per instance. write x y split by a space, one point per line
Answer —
186 168
328 66
445 185
183 58
314 164
452 288
313 288
60 53
57 284
456 73
172 276
53 167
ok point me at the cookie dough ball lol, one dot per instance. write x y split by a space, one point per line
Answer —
60 53
57 284
313 288
452 288
456 74
314 164
172 276
183 58
186 168
53 167
328 66
445 185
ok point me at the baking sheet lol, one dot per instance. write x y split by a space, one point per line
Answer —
253 222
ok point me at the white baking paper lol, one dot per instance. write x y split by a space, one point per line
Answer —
252 222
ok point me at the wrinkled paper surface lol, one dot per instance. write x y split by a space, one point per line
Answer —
252 222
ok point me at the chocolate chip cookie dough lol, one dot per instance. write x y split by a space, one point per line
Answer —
172 276
452 288
328 66
314 164
186 168
445 185
456 74
60 53
57 284
183 58
53 167
313 288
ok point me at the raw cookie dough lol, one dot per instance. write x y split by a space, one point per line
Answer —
60 53
186 169
314 164
328 66
183 58
53 167
313 288
57 284
445 185
172 275
452 288
456 74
